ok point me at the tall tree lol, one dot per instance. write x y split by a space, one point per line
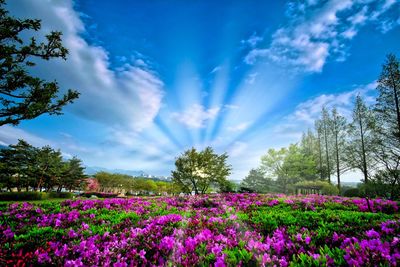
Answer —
325 122
388 102
339 131
22 96
198 170
318 129
387 111
362 141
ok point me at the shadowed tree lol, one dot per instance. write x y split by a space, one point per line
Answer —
23 96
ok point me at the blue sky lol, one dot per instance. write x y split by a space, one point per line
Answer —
158 77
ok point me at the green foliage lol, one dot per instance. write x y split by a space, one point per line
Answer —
324 221
198 170
22 96
18 196
325 187
288 166
256 181
54 194
24 166
352 192
359 153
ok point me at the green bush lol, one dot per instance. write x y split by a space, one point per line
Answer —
352 192
60 194
99 194
18 196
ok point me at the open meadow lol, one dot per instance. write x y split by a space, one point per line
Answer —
207 230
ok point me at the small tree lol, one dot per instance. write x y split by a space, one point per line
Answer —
22 96
198 170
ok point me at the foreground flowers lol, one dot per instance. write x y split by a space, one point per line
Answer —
217 230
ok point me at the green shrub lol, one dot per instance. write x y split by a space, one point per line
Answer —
352 192
18 196
54 194
99 194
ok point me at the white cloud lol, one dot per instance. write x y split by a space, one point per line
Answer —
251 78
196 116
306 113
253 40
216 69
129 96
237 149
229 106
9 135
239 127
316 33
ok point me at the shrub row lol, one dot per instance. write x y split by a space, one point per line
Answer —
98 194
20 196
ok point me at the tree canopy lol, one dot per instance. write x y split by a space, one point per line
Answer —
198 170
23 96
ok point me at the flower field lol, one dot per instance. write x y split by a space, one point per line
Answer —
210 230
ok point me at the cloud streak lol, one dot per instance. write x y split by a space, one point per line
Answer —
129 96
317 32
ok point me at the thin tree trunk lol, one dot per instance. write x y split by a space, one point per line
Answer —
337 161
396 100
327 154
365 171
320 157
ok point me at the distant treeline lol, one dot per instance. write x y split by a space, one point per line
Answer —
112 182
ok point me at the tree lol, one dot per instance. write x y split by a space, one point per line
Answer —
256 181
288 166
17 165
339 128
319 131
48 167
362 142
73 175
325 122
387 112
22 96
388 102
198 170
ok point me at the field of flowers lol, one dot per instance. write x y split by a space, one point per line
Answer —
210 230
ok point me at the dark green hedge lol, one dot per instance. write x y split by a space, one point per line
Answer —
16 196
352 192
60 195
31 195
99 194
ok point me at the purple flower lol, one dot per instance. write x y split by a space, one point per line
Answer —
308 240
372 234
72 234
8 233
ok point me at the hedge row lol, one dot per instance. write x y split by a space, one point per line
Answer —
18 196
